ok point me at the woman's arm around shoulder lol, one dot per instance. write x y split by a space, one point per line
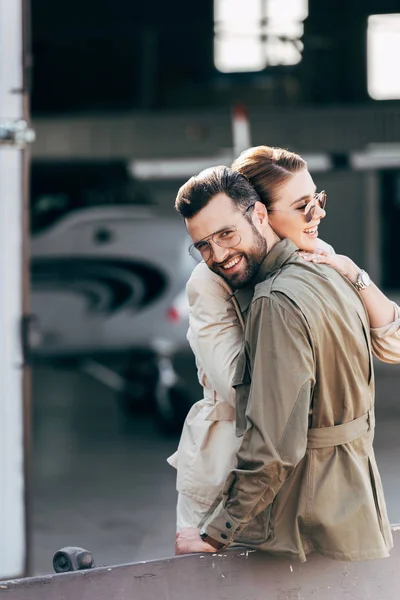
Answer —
384 315
386 339
215 331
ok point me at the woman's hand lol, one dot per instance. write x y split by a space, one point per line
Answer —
342 264
381 310
188 540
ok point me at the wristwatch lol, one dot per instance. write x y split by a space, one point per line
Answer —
363 281
214 543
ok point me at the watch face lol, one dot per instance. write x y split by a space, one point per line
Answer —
365 278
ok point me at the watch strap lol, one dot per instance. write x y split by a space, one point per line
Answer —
214 543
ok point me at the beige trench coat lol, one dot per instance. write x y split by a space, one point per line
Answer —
208 445
306 479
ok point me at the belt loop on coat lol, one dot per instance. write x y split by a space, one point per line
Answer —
371 419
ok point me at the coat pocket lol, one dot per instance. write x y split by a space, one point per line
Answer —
241 382
367 337
377 492
258 530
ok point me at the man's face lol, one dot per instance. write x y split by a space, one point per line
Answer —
239 264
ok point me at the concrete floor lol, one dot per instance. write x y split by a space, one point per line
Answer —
102 482
99 481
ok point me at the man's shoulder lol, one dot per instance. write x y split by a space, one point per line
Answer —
291 279
297 283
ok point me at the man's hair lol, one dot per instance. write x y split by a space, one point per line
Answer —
267 169
196 193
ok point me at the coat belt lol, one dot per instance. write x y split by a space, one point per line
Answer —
324 437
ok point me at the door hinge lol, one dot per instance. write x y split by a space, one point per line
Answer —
31 335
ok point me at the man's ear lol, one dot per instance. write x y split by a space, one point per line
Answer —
261 213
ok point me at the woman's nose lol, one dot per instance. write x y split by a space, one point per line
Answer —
319 212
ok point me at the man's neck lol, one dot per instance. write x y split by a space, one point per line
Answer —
272 239
274 259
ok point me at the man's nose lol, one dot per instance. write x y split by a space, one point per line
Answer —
219 253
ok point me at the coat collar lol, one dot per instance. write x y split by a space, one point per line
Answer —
273 261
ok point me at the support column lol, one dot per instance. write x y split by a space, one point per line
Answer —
12 474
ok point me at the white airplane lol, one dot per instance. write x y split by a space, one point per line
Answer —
108 283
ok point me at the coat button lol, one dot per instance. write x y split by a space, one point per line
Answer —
224 536
228 525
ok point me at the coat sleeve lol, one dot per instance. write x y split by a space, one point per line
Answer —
279 351
215 333
327 247
386 340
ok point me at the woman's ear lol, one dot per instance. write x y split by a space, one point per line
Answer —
261 213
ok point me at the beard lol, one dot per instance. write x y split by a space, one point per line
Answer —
251 261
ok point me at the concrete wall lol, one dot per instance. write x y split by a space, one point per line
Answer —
196 133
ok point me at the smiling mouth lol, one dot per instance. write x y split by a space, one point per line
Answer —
311 231
232 263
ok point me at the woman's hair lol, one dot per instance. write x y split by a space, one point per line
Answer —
267 169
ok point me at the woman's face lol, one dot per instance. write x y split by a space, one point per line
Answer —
286 216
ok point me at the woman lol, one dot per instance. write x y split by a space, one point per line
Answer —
208 445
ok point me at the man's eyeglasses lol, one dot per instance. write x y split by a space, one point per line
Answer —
228 237
309 211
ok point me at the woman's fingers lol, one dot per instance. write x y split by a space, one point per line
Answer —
317 258
327 259
322 252
316 252
314 257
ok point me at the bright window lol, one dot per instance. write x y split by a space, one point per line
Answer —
253 34
384 56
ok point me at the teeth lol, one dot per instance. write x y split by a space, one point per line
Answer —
313 230
232 263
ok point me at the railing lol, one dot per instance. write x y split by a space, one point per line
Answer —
236 574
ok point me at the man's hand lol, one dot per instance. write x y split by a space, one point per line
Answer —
188 540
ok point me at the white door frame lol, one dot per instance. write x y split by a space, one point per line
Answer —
13 289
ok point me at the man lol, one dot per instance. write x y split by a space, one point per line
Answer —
306 478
